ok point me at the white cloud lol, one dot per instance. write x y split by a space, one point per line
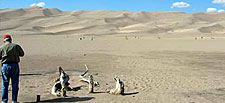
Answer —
33 4
218 2
211 10
221 11
180 5
40 4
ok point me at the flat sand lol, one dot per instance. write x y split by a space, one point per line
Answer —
165 70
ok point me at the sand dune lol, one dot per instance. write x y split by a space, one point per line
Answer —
210 17
51 20
210 28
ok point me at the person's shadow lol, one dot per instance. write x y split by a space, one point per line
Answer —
68 99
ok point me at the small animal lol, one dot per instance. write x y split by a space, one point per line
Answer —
61 84
119 87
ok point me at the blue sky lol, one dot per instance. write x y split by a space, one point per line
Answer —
188 6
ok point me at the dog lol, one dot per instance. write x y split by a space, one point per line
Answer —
61 84
119 87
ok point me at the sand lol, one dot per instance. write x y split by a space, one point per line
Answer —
175 68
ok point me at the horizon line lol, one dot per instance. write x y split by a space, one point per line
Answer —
109 10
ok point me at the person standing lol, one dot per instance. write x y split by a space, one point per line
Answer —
10 54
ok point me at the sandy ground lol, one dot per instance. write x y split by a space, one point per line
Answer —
165 65
165 70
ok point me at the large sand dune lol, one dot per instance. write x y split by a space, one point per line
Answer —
35 20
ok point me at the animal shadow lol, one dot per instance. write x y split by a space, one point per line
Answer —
100 92
75 88
133 93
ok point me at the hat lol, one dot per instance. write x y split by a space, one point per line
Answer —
7 37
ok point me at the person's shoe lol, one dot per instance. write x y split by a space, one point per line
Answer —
14 102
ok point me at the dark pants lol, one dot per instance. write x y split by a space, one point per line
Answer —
10 71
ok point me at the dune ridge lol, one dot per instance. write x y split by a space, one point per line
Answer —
34 20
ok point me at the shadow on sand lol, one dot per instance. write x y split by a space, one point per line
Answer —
75 88
68 99
124 94
99 92
29 74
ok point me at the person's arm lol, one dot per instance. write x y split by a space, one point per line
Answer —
20 50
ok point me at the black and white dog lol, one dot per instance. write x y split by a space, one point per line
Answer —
61 84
